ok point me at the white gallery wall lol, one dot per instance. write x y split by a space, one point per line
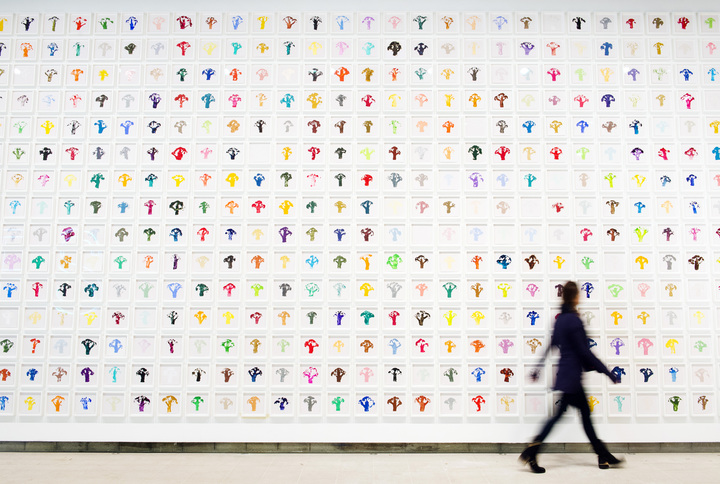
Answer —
323 225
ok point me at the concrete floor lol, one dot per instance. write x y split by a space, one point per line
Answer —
60 468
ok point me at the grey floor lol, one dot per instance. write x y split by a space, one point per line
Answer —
60 468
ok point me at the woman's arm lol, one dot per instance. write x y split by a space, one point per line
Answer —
578 338
535 372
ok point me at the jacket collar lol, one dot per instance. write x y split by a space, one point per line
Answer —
567 308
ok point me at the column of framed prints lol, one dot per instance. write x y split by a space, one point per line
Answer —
355 217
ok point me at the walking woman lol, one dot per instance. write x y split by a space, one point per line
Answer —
575 356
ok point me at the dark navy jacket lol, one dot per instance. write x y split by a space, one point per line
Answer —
575 355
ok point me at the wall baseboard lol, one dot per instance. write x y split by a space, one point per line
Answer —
329 448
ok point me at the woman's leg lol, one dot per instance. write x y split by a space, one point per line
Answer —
580 401
529 455
553 420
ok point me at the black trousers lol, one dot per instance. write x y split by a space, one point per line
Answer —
579 401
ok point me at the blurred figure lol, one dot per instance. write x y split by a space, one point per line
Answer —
575 356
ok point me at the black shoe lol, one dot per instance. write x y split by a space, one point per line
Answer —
535 468
529 456
608 460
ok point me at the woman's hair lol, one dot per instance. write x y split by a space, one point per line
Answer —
570 292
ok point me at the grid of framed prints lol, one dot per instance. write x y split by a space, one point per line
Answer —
355 217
